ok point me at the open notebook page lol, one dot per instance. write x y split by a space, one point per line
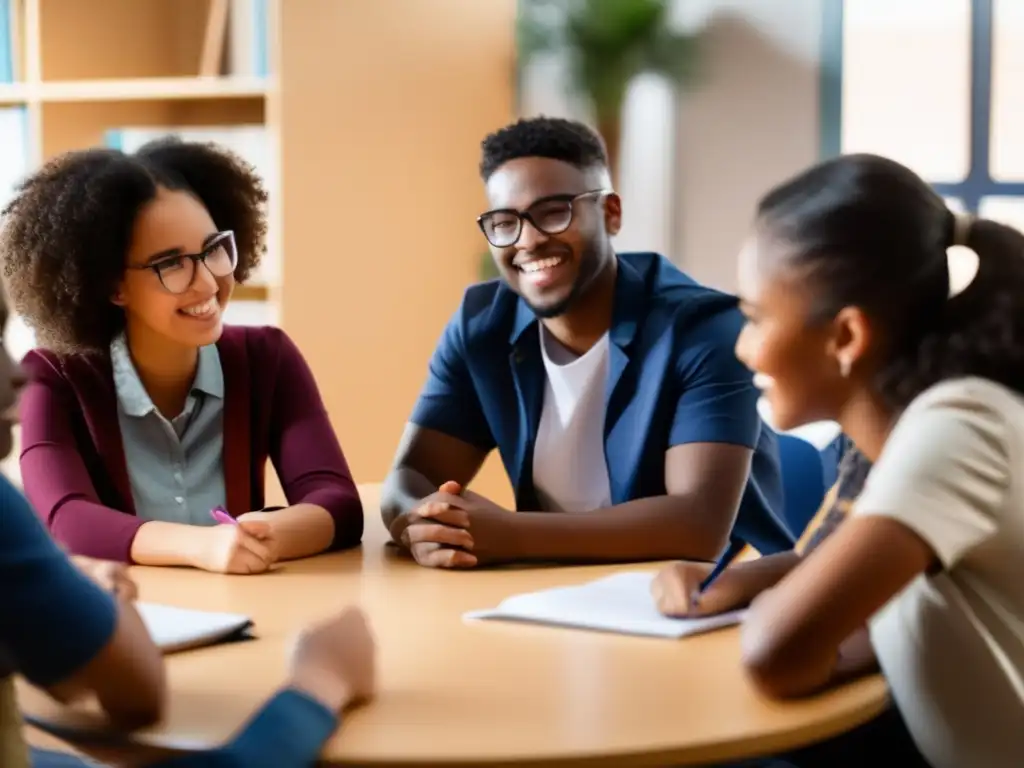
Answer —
621 603
176 629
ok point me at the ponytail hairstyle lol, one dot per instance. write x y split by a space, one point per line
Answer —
865 231
65 236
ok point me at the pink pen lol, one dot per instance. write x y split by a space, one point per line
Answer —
221 516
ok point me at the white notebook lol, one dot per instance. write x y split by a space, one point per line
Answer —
177 629
621 603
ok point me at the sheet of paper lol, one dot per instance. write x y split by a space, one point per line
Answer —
621 603
175 629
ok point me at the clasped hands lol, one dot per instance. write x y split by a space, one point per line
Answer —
456 528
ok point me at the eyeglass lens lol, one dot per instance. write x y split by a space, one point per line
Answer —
178 273
551 217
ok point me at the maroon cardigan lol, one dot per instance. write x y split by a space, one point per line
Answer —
72 458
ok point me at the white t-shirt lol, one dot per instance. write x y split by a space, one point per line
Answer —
952 643
570 472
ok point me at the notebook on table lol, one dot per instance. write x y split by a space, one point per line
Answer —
178 629
621 603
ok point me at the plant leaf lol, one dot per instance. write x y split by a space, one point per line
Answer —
674 55
607 44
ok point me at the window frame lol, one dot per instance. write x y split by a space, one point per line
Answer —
978 183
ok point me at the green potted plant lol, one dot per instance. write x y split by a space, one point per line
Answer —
607 43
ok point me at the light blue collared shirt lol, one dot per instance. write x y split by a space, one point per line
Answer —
176 466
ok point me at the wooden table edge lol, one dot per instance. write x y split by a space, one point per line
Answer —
108 745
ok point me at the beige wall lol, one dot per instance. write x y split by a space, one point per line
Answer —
381 112
753 122
696 162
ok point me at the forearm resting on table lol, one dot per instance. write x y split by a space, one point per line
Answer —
656 528
160 543
402 492
290 729
789 658
302 530
763 573
127 676
856 657
815 670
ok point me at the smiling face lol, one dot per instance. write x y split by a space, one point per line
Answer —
174 223
550 267
796 361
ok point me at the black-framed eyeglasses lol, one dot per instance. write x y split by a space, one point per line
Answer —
549 215
177 271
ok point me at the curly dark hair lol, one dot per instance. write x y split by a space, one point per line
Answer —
868 232
554 137
65 235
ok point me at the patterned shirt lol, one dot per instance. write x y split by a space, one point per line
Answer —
853 473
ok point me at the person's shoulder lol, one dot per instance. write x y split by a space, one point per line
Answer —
967 423
46 365
263 344
42 361
487 308
664 278
988 408
675 298
267 335
968 395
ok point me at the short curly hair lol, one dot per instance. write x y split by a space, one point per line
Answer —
868 232
65 236
553 137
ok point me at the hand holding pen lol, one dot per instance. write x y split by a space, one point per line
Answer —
690 589
234 546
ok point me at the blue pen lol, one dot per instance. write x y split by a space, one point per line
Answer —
735 547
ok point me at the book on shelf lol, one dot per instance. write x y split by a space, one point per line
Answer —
8 40
247 43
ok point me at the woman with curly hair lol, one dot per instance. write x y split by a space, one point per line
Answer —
145 413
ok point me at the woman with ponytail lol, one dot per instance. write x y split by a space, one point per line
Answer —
871 304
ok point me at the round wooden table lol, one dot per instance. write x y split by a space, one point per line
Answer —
481 693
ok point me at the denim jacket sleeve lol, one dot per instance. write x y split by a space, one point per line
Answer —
288 732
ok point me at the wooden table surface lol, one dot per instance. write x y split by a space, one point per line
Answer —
482 693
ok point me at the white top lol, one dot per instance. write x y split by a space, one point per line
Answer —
952 643
570 472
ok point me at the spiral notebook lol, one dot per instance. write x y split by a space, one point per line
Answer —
178 629
621 604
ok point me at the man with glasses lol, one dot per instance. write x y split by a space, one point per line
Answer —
606 381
